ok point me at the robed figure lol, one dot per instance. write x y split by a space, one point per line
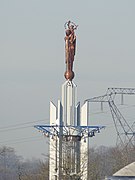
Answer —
70 46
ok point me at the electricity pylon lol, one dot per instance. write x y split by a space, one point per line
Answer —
125 132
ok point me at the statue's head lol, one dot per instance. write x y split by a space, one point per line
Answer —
72 27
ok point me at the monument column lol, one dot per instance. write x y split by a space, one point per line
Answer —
68 131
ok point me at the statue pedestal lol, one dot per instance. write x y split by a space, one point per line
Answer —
68 151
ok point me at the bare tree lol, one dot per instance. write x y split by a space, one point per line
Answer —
105 161
9 162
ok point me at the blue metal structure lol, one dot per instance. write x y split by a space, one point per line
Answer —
74 133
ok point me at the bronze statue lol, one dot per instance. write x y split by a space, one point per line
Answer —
70 45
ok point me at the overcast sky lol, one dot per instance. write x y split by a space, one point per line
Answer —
32 61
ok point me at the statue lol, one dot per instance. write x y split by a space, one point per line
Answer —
70 45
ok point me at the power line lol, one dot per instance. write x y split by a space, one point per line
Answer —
16 128
19 139
20 124
105 112
24 141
